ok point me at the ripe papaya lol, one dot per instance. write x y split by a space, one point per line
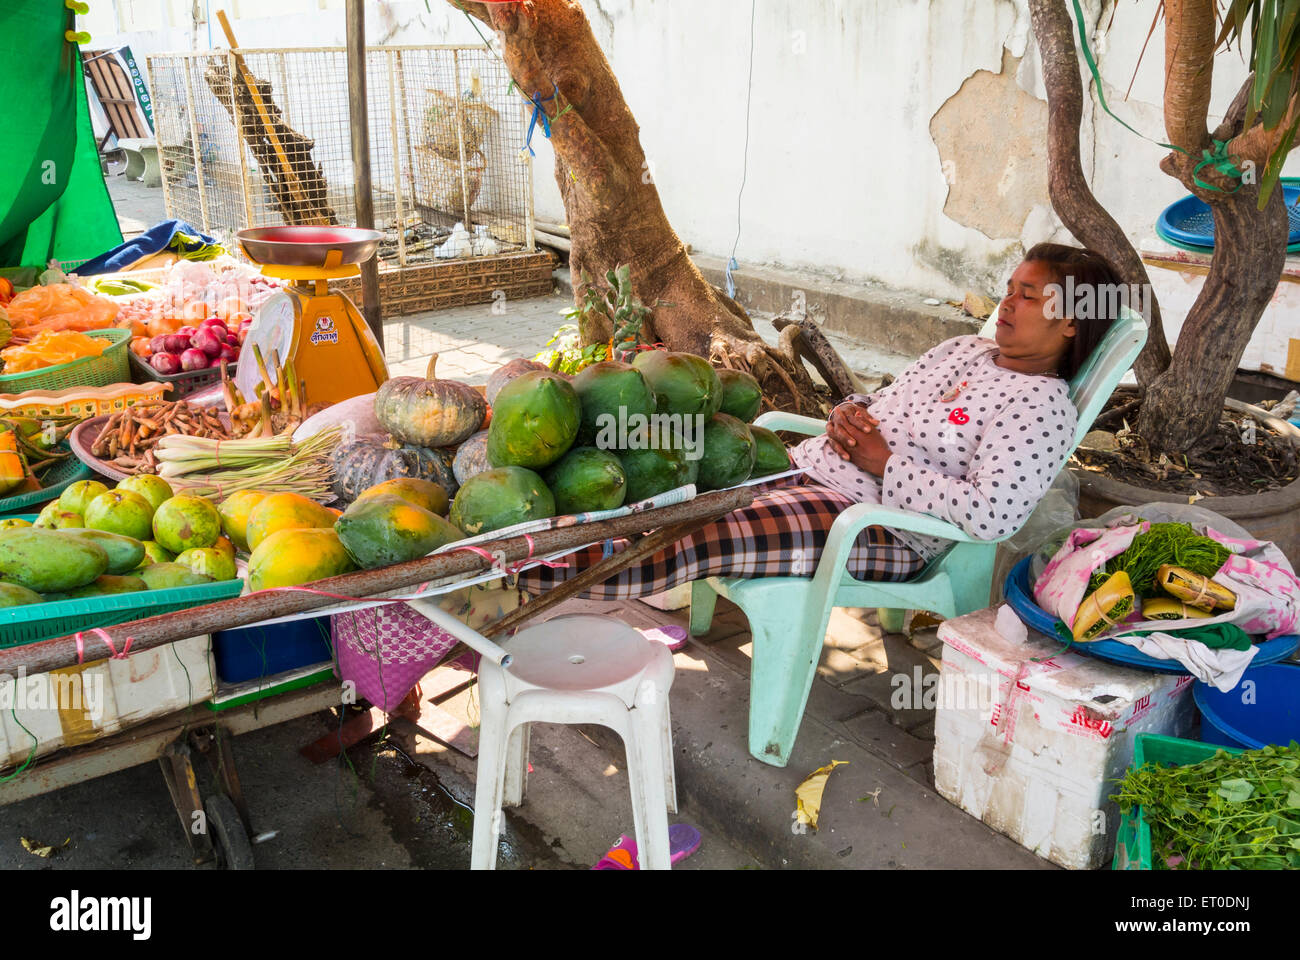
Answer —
288 558
285 511
423 493
235 510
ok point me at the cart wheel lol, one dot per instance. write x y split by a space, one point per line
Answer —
233 848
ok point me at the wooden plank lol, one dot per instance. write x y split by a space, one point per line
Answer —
279 709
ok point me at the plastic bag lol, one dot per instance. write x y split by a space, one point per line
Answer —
1055 515
61 306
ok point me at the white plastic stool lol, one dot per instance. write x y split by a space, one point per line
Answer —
574 669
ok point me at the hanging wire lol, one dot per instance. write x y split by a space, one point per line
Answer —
732 265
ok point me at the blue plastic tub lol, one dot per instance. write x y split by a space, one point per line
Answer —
250 653
1253 717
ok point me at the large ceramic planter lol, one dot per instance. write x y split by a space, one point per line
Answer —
1268 516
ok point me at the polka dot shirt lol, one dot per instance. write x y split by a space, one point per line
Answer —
981 460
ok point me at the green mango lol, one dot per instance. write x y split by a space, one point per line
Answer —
124 553
49 561
12 595
162 576
108 585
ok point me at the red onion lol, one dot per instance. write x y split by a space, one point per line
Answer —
228 353
158 344
207 341
232 340
194 360
214 361
217 327
187 331
176 343
166 363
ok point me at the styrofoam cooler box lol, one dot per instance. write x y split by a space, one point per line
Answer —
1033 749
65 708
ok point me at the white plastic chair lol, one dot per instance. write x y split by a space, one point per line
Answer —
573 669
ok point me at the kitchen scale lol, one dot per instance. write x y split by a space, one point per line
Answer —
334 352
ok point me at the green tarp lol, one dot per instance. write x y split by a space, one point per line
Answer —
53 201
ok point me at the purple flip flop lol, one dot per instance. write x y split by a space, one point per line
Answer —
683 840
670 635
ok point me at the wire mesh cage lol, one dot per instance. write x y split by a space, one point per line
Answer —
261 137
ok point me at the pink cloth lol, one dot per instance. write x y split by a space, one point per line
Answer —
386 650
1268 593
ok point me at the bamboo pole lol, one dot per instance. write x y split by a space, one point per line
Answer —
364 197
146 634
241 145
291 175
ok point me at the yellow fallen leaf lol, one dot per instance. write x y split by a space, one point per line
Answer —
1194 497
809 793
38 850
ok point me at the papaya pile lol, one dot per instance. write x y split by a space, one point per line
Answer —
615 433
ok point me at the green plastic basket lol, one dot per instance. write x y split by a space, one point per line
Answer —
57 479
111 366
44 621
1133 841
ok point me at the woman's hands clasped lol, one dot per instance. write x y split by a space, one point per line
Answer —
852 436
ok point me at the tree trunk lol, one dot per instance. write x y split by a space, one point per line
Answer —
1072 198
613 207
1184 404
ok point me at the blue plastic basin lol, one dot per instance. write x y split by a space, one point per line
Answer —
1253 716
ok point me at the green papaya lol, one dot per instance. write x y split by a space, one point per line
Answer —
770 454
683 383
107 585
501 498
12 595
742 397
384 529
534 421
124 553
611 394
163 576
587 479
729 453
48 561
653 471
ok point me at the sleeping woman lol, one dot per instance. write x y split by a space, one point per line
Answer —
974 433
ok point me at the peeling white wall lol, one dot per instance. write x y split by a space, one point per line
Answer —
843 176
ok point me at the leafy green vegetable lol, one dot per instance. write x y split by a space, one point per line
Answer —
1227 812
1173 543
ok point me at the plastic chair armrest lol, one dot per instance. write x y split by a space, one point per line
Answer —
777 420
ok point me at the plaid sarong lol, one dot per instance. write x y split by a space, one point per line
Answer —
780 534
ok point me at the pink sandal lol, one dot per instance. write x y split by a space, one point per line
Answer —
683 840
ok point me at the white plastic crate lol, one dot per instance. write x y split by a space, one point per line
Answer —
66 708
1034 748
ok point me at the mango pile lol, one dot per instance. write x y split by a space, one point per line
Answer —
94 542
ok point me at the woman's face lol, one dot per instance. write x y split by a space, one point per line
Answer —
1030 326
